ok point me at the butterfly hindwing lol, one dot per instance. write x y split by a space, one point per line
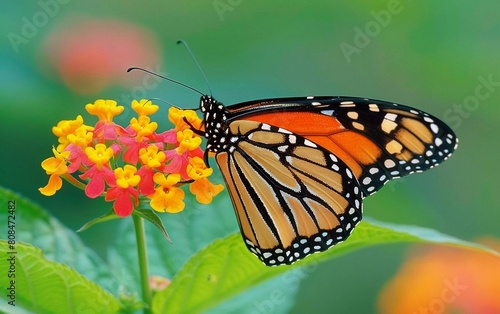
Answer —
292 197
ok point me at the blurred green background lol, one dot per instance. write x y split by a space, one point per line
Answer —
441 57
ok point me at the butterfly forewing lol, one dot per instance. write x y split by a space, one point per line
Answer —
378 140
292 197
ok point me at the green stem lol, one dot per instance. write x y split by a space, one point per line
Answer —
143 261
68 177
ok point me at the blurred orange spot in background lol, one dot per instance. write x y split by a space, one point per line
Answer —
439 279
89 55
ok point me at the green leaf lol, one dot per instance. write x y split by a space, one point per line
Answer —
44 286
106 217
153 218
35 226
226 268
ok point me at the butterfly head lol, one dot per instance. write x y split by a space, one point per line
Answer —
214 118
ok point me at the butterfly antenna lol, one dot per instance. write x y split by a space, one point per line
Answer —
196 62
165 78
163 101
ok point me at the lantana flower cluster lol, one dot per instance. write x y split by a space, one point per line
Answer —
124 164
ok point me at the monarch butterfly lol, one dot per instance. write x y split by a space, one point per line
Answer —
297 169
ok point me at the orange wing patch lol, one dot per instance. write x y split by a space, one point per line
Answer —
353 148
300 122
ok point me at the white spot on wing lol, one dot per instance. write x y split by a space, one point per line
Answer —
347 104
309 143
266 127
373 107
284 131
434 128
349 173
353 115
358 126
391 116
389 163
